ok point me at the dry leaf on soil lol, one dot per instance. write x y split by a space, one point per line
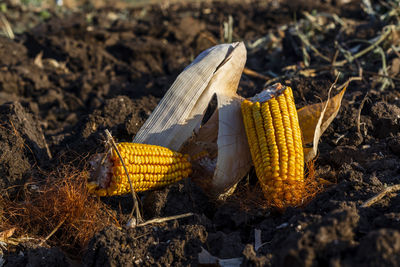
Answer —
315 119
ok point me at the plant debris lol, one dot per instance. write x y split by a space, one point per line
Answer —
58 212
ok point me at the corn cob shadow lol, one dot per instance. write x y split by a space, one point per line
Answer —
149 166
274 136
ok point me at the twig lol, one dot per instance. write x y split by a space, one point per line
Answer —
6 27
357 78
317 133
278 78
255 74
335 56
228 29
47 147
165 219
384 81
304 39
135 208
381 75
359 113
340 137
311 19
52 232
379 196
386 32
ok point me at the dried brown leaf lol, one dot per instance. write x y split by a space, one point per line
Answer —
315 119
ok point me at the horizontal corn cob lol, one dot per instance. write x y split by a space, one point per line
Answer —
149 167
275 141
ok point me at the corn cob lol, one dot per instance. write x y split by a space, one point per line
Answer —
149 167
275 141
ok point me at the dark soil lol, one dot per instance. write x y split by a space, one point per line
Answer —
70 77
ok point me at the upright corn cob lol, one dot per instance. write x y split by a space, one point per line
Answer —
275 141
149 167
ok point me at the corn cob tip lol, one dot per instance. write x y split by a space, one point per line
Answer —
269 92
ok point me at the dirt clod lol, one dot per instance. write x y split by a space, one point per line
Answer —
159 245
380 248
21 142
45 257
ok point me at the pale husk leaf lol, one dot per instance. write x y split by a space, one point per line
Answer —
179 115
233 159
182 108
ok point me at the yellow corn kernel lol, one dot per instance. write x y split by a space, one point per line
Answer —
149 167
274 137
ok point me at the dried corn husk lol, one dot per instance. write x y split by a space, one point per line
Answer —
177 118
